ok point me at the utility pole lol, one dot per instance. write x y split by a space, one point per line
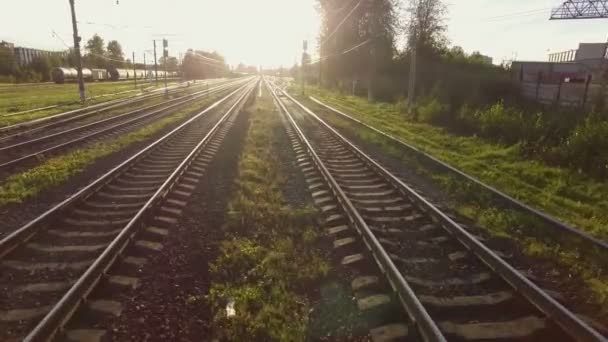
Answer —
155 64
134 70
372 52
77 52
320 67
411 93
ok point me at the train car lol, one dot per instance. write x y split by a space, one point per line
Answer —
62 75
141 74
99 74
116 74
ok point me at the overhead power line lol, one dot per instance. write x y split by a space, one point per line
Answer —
60 39
338 10
106 58
205 60
518 14
112 26
341 23
347 51
208 58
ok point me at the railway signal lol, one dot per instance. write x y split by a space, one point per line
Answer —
305 60
165 57
155 64
134 70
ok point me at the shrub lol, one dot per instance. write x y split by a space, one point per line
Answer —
501 123
587 147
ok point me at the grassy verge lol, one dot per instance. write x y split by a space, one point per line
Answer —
270 259
23 98
570 197
21 186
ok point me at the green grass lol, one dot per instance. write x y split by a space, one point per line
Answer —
270 258
55 171
22 98
568 196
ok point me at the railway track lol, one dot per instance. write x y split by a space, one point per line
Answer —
407 254
50 267
567 233
29 127
19 151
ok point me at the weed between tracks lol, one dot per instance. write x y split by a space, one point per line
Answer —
55 171
535 238
271 258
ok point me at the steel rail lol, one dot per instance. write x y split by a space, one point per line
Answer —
515 203
76 295
412 305
110 119
534 294
96 108
28 230
168 105
110 128
57 119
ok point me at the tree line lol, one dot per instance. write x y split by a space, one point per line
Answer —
97 54
462 92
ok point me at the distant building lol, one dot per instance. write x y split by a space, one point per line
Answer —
25 55
585 51
7 45
569 78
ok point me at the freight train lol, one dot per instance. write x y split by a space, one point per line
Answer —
63 75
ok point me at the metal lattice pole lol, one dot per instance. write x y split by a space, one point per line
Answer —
581 9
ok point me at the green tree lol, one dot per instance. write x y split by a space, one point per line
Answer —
115 53
172 63
42 66
477 57
457 53
201 64
426 26
95 52
371 27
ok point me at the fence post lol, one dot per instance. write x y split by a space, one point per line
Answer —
559 90
538 80
586 95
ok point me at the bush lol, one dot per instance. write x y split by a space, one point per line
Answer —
432 111
7 79
587 147
501 123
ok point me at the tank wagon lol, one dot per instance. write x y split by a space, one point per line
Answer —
63 74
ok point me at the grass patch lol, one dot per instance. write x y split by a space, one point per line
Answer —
21 186
270 259
535 238
15 99
569 196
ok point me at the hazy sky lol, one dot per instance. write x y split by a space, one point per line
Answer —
270 32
